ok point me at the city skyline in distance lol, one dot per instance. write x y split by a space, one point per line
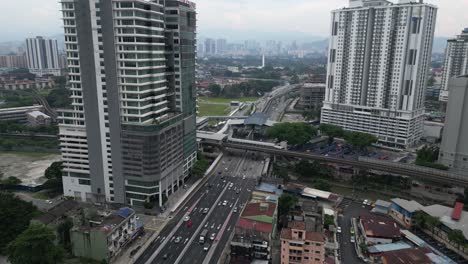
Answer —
241 18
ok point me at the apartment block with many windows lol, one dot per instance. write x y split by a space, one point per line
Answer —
301 246
129 136
379 56
456 62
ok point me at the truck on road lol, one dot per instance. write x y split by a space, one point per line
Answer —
203 236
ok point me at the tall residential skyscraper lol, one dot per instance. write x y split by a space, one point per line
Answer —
221 46
379 57
454 148
42 56
456 61
130 136
210 46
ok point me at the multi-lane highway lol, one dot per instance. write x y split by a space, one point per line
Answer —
214 207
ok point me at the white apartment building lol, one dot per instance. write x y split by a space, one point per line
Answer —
379 56
42 56
456 62
130 135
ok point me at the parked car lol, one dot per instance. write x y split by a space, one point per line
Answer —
338 229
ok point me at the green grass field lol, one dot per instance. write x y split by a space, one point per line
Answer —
205 109
220 100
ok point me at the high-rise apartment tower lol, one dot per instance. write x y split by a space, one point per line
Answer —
379 57
42 56
456 61
130 136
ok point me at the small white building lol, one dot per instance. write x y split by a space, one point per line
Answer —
37 118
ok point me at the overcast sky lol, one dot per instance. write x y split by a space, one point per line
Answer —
25 18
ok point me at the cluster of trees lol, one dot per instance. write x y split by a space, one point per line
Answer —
311 114
293 133
266 73
200 166
427 157
285 203
357 139
35 245
250 88
10 182
365 180
311 168
53 174
281 172
17 98
425 221
59 98
12 127
14 218
8 142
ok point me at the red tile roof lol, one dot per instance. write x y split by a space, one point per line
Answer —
286 233
406 256
253 209
254 225
457 211
381 227
315 236
298 225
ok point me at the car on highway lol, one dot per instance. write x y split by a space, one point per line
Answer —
186 218
353 240
177 240
206 247
338 229
243 177
205 211
237 191
189 224
212 237
224 202
165 256
235 210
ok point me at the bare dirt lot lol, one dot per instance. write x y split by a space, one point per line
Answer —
28 167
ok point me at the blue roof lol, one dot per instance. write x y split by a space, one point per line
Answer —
388 247
125 212
258 119
266 187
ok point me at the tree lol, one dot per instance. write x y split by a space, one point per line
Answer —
331 131
427 157
15 215
432 223
63 231
200 166
54 171
54 176
59 97
309 169
360 140
35 246
293 133
328 220
285 203
215 89
311 114
419 218
11 181
456 237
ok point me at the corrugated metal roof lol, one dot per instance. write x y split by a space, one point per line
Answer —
388 247
258 119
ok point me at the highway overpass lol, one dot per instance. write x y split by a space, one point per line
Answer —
422 173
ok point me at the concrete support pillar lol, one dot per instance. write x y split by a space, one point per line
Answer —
160 194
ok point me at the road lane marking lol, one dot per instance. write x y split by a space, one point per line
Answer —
165 241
